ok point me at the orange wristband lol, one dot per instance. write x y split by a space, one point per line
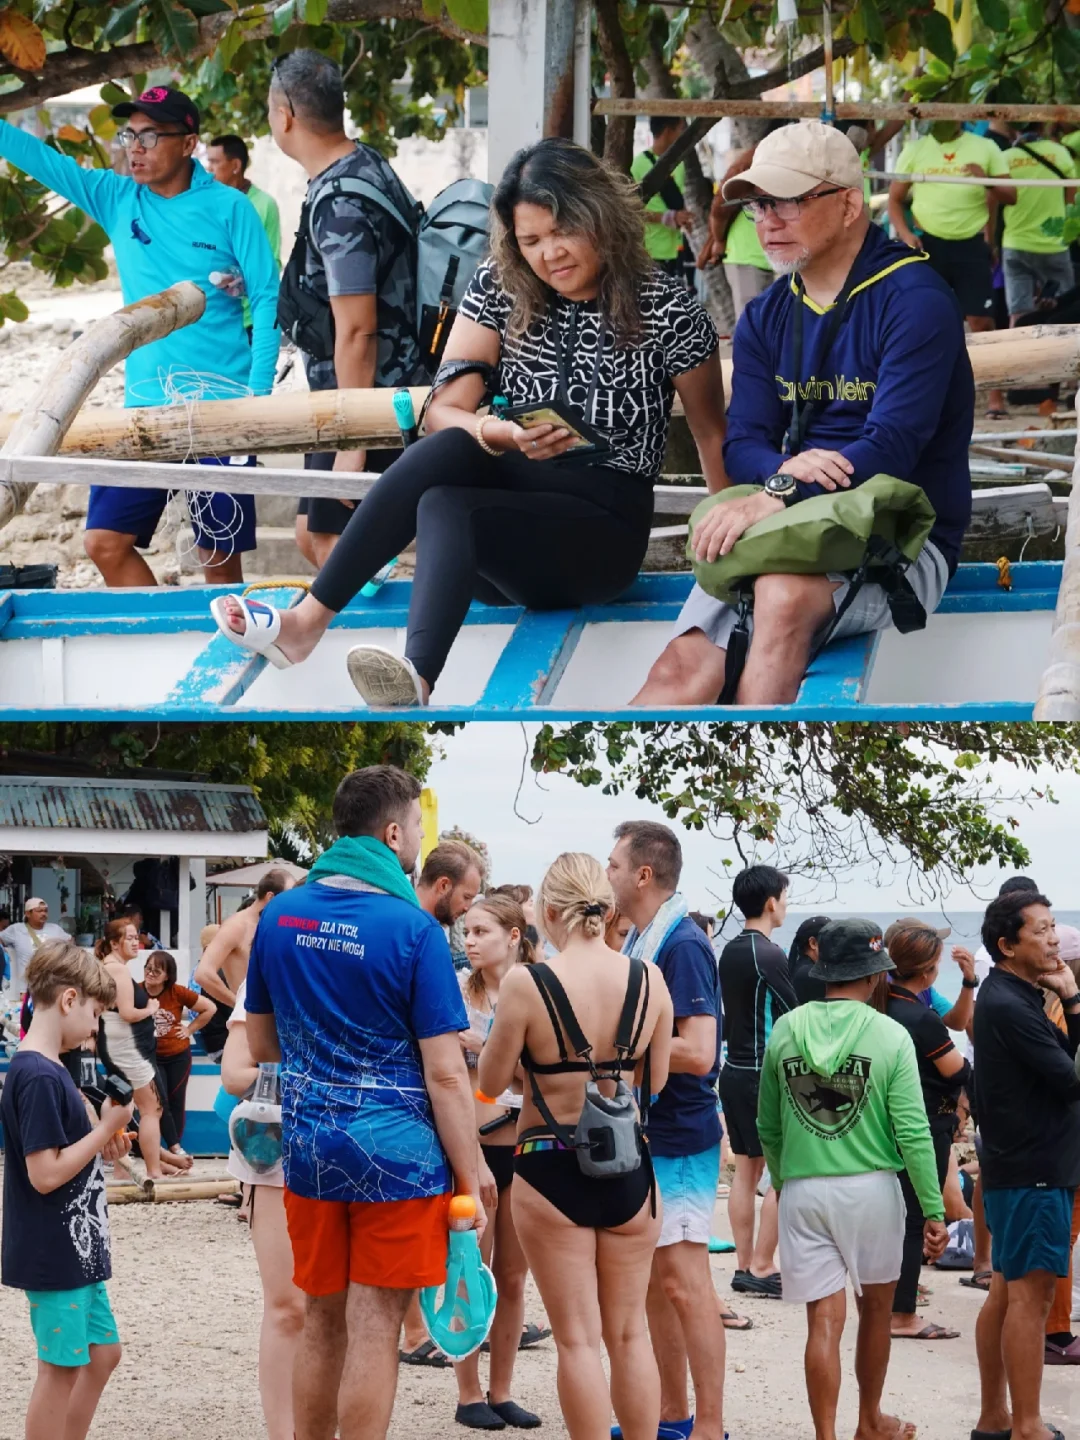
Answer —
484 1099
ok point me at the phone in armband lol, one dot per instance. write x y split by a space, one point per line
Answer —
587 443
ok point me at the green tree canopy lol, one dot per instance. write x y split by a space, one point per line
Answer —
293 767
821 800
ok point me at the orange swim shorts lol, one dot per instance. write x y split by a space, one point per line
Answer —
393 1244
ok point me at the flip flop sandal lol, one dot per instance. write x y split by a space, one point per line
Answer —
262 626
732 1321
991 1435
997 414
385 680
975 1282
931 1332
232 1201
530 1335
767 1286
427 1353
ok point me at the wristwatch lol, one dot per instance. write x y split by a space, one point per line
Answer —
782 487
970 984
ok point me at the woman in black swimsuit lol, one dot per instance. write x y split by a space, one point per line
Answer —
589 1242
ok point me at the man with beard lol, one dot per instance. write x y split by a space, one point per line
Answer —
450 881
350 986
854 366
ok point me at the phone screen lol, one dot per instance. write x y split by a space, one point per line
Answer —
544 415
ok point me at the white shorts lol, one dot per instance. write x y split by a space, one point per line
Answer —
840 1227
687 1185
124 1054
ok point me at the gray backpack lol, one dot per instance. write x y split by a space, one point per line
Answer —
450 239
608 1137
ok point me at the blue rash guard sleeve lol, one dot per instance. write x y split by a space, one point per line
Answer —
94 191
260 272
755 415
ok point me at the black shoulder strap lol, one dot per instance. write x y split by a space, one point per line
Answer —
1042 159
561 1132
559 1008
626 1036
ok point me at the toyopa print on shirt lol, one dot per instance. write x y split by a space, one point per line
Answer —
355 979
632 404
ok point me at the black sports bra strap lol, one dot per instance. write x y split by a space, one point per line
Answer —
624 1035
555 996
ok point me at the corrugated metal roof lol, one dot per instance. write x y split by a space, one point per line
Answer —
61 804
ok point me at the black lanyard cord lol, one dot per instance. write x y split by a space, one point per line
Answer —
565 361
801 411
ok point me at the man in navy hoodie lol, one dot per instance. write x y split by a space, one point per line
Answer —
883 388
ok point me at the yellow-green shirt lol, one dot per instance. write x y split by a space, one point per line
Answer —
743 246
662 242
1024 220
950 212
1072 142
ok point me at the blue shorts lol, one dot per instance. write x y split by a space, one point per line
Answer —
67 1322
1030 1229
221 522
687 1185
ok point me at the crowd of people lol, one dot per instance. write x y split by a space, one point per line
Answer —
532 482
575 1074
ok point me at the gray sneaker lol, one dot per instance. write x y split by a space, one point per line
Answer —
385 680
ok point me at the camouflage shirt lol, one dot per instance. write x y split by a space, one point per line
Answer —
359 250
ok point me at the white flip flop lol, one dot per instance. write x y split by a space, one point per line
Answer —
385 680
262 626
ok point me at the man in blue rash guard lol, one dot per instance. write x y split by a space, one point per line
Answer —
884 387
169 222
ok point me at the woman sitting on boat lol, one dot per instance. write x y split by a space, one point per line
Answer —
570 317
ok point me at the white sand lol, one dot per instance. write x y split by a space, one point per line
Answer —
186 1296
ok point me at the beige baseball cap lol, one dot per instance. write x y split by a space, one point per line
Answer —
795 158
34 903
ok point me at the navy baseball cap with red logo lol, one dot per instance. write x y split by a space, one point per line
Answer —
171 106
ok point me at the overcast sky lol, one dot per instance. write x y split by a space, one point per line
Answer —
477 779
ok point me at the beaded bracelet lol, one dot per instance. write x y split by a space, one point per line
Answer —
487 449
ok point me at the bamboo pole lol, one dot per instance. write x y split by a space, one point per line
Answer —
811 110
1059 688
40 428
983 180
1035 458
344 419
149 1194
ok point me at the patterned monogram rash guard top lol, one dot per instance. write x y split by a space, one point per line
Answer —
632 404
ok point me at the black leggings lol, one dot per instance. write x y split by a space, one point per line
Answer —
942 1129
504 530
174 1071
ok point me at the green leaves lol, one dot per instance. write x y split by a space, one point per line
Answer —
121 22
173 28
825 798
937 36
994 15
469 14
12 308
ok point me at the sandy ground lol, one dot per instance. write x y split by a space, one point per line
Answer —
186 1296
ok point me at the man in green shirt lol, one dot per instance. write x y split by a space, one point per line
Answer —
840 1113
956 222
666 215
1030 258
227 160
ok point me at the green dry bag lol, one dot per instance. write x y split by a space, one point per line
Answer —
817 536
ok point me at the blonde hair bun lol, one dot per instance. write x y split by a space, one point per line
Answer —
577 891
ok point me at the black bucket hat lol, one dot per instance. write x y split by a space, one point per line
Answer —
851 950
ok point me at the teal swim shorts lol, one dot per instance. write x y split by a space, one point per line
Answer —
67 1322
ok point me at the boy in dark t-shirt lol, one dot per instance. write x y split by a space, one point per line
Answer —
55 1243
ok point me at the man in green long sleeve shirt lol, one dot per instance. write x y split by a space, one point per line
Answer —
840 1112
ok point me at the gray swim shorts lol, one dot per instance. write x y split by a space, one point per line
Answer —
868 611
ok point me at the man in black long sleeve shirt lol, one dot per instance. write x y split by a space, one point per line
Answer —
1028 1098
755 989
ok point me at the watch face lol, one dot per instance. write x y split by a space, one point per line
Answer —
780 484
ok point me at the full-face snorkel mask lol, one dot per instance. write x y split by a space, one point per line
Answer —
255 1124
461 1322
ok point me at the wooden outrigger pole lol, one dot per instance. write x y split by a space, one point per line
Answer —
343 419
75 372
811 110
